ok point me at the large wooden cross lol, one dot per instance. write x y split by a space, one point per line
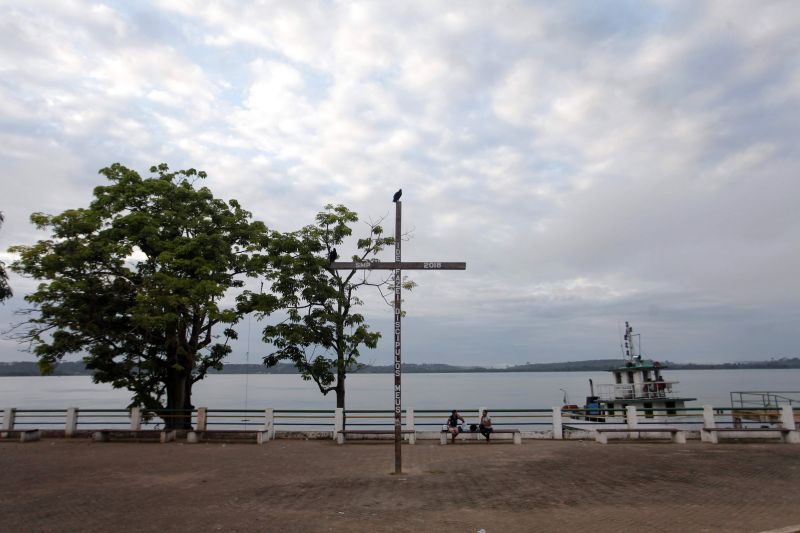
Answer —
398 266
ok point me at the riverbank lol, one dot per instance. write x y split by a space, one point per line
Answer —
73 368
376 391
315 486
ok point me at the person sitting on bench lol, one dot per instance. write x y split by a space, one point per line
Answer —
453 426
485 425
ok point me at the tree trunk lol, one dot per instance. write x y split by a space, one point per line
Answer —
179 406
340 396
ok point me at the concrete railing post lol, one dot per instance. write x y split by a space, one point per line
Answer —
269 422
558 430
72 422
412 437
9 414
788 423
631 417
787 418
338 425
202 418
708 422
136 418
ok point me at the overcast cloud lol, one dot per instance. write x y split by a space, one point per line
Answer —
592 162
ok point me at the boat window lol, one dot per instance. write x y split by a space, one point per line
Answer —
671 408
618 377
648 409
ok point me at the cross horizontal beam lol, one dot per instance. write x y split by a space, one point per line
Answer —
402 265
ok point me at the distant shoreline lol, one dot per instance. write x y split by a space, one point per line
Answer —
74 368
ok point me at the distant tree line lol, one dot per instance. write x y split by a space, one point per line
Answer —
74 368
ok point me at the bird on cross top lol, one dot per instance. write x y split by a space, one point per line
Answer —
333 256
397 195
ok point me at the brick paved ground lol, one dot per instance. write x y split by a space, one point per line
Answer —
63 485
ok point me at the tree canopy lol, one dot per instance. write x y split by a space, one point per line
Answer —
137 282
322 334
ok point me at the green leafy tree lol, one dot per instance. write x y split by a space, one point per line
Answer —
5 288
322 333
136 281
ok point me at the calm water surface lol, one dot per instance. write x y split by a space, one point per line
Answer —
374 391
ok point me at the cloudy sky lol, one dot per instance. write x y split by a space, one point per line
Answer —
592 162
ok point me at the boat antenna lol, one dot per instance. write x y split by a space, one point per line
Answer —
564 401
627 342
630 345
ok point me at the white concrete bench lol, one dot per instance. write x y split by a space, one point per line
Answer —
261 435
516 435
711 435
342 434
25 435
676 435
105 435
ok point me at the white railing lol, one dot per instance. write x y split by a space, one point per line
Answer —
648 390
553 423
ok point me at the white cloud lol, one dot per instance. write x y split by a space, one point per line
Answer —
584 163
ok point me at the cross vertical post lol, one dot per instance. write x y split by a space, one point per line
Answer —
397 266
398 410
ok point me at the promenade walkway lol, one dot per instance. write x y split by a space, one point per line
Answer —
316 486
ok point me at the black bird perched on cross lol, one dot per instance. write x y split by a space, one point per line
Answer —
397 195
333 256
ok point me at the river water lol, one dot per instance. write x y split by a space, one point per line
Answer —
535 390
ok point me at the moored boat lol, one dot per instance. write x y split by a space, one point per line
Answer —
637 382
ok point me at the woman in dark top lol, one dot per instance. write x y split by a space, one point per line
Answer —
453 425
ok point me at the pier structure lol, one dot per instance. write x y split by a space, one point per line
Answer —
708 424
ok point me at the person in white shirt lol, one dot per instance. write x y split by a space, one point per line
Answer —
485 425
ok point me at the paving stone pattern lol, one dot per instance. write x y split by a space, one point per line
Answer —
300 486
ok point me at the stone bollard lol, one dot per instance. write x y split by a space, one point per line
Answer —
338 425
708 422
9 415
412 437
202 418
269 422
136 418
787 422
71 425
558 431
631 417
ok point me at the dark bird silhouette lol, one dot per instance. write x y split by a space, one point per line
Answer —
333 256
397 195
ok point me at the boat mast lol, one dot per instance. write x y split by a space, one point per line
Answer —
629 346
